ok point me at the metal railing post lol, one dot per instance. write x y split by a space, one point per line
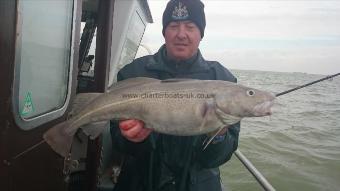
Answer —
251 168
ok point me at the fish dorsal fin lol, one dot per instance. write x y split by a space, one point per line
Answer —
82 100
131 82
172 80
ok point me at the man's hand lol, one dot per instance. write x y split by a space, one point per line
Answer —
134 130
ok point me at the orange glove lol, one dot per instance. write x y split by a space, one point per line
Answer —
134 130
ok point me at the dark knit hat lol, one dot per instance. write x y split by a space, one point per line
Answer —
180 10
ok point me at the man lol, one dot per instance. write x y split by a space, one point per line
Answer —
164 162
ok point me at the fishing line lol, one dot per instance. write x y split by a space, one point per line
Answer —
28 150
10 161
308 84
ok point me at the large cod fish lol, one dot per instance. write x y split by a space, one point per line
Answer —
176 106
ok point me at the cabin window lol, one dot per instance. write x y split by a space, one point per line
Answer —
87 68
43 57
133 38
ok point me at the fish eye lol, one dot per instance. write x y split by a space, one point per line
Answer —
250 92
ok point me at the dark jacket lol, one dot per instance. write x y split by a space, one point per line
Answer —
166 162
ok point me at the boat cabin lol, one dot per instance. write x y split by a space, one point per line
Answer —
51 50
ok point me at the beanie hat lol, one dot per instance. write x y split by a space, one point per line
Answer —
180 10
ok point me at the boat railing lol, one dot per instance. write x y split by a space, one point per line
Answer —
252 169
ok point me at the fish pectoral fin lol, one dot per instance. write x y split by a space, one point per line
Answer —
207 143
206 111
227 119
93 130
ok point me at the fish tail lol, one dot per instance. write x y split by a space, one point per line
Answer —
58 139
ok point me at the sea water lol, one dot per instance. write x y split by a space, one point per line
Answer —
298 147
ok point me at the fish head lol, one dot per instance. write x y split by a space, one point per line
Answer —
242 101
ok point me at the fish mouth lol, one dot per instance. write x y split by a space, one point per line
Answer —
263 109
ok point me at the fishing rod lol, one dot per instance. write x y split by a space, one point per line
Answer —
308 84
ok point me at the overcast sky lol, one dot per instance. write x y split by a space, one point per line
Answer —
270 35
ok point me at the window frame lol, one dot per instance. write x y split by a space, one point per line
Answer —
31 123
135 16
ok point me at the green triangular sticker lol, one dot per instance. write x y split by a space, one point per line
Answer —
28 105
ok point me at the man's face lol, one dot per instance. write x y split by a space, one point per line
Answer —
182 39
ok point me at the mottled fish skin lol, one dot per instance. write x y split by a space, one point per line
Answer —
201 106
